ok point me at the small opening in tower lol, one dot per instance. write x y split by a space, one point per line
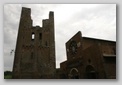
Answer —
33 36
40 36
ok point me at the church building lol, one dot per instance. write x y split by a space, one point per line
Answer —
89 58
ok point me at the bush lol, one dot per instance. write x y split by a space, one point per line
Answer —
7 75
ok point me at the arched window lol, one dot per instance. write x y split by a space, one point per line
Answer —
74 73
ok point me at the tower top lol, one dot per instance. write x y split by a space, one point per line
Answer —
26 12
25 8
51 14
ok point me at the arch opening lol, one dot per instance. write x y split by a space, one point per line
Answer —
74 73
90 72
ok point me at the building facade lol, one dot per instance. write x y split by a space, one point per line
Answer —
35 48
89 58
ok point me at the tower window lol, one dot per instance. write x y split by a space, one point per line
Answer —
40 36
33 36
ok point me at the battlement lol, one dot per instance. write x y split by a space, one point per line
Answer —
35 44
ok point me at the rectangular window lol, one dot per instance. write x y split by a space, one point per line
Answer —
40 36
33 36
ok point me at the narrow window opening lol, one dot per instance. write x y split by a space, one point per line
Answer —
33 36
40 36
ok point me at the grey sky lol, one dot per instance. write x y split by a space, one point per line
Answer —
93 20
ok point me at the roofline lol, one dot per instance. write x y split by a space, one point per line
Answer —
74 36
99 39
105 55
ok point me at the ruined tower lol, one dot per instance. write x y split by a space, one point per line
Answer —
35 48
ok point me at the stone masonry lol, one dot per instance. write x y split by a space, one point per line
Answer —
35 48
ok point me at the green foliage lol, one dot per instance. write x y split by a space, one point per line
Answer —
7 75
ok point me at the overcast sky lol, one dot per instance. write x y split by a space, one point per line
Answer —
93 20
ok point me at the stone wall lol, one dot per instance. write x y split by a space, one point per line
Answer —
35 48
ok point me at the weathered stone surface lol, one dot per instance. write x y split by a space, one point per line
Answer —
35 48
89 58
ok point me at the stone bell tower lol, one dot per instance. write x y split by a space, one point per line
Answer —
35 48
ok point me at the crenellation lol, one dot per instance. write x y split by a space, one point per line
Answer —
33 50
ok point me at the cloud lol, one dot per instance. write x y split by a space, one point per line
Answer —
93 20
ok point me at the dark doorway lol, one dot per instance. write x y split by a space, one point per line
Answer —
90 72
